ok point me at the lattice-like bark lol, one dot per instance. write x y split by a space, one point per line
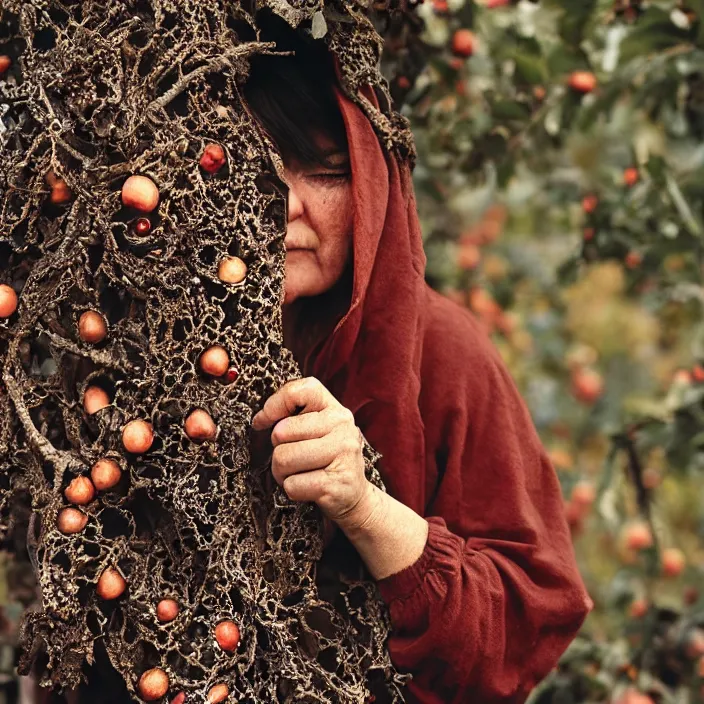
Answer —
99 91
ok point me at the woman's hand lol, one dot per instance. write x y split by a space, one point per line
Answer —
318 454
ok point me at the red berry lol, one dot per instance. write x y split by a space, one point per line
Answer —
213 158
231 375
5 63
143 226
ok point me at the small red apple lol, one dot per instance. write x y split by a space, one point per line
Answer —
673 562
638 608
463 43
633 259
630 176
637 536
587 385
589 203
582 81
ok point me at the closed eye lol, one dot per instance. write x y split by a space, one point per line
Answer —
332 176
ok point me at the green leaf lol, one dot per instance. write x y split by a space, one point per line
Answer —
531 69
698 8
608 96
510 110
655 32
575 19
657 168
563 59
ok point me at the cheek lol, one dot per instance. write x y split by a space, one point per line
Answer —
335 224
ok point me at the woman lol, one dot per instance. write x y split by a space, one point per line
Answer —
469 547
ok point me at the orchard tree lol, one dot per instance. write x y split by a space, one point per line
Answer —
560 181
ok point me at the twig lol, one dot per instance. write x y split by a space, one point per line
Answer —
215 64
59 458
101 357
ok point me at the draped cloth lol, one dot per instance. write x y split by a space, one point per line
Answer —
496 596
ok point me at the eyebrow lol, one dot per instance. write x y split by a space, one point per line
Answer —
335 151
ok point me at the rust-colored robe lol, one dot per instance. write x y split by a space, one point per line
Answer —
496 597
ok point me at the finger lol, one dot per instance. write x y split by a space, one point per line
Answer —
309 486
303 456
308 394
309 426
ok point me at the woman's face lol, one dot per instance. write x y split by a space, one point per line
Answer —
319 232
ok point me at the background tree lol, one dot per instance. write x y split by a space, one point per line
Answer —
560 181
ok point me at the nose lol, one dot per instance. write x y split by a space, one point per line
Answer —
295 204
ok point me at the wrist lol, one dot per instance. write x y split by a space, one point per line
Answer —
361 519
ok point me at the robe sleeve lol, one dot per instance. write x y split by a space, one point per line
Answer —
496 596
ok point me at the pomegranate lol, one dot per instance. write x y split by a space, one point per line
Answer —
200 426
215 360
218 693
141 193
105 474
232 270
8 301
167 610
80 491
227 634
95 399
71 520
153 684
92 327
584 493
213 158
137 436
111 584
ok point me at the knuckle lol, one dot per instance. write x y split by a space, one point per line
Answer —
279 433
352 445
342 416
279 458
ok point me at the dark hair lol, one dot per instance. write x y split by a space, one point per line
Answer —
292 97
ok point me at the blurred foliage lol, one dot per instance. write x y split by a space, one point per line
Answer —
560 182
